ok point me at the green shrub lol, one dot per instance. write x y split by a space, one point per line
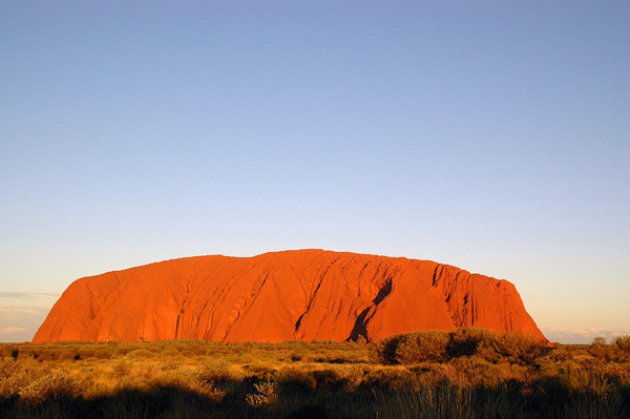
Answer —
422 347
411 348
512 348
474 370
437 346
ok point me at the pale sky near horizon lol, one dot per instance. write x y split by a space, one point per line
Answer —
494 136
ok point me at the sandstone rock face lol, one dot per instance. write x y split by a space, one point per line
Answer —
280 296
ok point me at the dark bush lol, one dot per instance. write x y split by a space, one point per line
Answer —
293 382
384 350
623 343
464 342
437 346
412 348
511 347
329 380
422 347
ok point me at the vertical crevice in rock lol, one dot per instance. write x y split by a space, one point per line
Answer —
311 299
359 331
181 311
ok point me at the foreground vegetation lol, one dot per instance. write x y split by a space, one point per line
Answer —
464 374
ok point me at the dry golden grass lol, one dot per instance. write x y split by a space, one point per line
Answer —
467 373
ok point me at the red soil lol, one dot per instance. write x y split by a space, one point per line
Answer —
273 297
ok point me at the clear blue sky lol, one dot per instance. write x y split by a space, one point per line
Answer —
494 136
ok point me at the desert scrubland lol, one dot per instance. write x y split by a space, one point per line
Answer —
467 373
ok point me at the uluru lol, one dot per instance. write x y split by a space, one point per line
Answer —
280 296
